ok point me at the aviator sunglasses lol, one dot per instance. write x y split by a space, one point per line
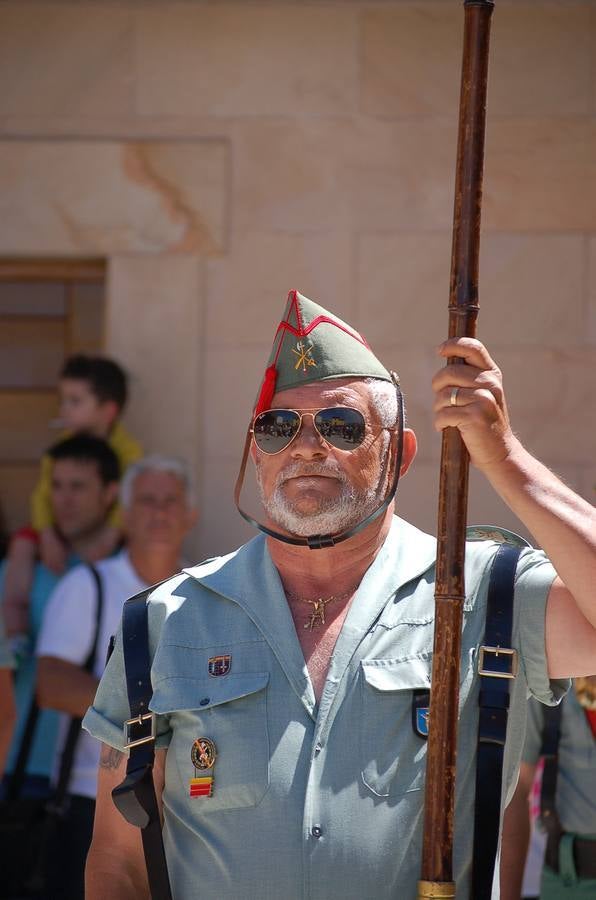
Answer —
340 426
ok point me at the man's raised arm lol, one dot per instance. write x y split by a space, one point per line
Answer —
115 864
471 398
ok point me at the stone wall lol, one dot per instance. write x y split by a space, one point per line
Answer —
220 154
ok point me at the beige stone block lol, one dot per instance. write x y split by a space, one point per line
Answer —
550 393
320 175
230 383
415 365
64 59
411 59
540 175
247 288
417 495
541 59
485 507
403 287
244 59
398 176
418 500
107 197
590 311
285 176
221 528
153 327
531 289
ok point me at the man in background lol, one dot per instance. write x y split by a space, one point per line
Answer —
570 861
83 485
158 505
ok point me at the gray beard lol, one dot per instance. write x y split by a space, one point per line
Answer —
333 515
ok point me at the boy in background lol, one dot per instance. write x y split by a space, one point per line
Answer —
93 394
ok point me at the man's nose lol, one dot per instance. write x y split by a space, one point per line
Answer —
308 443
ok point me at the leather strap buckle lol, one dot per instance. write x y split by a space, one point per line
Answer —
495 653
139 721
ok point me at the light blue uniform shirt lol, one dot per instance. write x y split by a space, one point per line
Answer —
575 799
41 756
6 658
323 801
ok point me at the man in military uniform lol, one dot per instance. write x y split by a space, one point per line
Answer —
284 674
570 862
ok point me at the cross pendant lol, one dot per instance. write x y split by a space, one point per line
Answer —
317 616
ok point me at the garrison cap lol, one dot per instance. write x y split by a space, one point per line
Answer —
311 344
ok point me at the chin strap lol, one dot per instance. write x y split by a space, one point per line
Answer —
322 541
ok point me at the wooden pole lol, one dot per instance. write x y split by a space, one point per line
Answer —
437 851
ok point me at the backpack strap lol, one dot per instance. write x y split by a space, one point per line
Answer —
74 729
135 797
497 666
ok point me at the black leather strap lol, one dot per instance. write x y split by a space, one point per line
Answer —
135 797
74 729
492 722
549 750
16 780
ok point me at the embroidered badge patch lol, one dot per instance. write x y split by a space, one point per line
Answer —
304 358
219 665
420 708
203 755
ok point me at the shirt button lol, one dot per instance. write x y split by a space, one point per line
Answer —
316 831
204 701
318 748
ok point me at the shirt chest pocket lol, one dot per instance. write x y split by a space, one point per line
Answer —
392 755
231 712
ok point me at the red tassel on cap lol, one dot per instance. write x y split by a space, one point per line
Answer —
267 390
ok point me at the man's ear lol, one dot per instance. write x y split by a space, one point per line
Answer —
409 450
111 492
110 411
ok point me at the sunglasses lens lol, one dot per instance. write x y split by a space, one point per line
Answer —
274 429
342 427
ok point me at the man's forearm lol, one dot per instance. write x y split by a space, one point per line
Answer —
7 715
514 848
105 879
560 521
64 686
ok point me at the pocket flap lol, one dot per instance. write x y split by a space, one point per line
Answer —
178 692
397 674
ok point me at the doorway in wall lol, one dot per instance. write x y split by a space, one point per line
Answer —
49 309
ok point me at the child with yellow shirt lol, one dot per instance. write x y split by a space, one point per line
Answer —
93 393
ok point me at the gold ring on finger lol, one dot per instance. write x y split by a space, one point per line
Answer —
453 396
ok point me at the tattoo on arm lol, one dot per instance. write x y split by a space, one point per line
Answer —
109 757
